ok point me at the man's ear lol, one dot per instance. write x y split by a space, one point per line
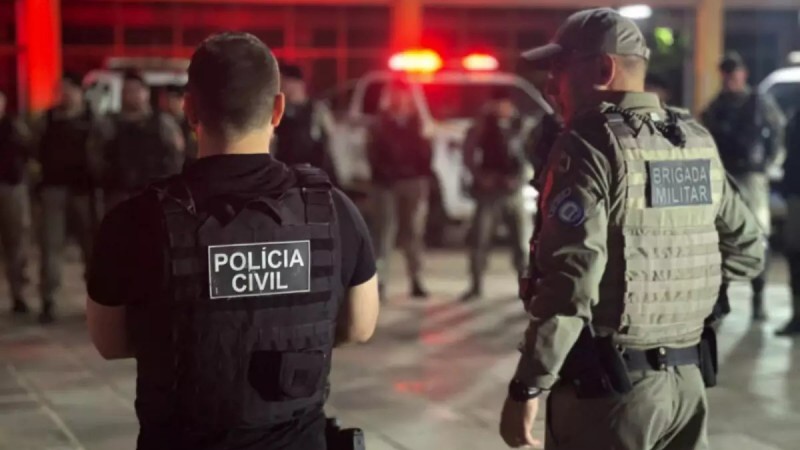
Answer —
189 111
279 106
607 71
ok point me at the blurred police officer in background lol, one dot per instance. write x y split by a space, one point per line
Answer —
304 134
141 145
790 188
639 227
15 143
67 188
748 128
400 159
174 106
231 283
495 155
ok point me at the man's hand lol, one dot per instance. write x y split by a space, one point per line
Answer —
516 423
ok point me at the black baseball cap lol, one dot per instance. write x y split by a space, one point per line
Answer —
731 62
593 32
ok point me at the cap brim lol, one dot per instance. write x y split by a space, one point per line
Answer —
544 53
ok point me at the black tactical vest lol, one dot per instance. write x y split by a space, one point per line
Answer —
243 335
502 147
138 154
297 143
63 150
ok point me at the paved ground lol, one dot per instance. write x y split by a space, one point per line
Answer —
433 378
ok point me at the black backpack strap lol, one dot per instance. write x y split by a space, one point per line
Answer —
316 188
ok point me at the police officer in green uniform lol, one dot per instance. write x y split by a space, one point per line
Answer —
748 127
14 152
495 154
140 146
231 282
639 227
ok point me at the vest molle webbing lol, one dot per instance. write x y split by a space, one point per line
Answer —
260 357
663 274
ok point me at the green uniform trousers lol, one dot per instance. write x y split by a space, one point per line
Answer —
13 200
401 211
510 208
63 209
667 410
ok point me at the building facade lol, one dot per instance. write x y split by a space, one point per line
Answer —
335 41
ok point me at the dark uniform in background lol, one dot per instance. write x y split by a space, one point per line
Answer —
142 145
175 109
748 128
400 159
495 154
639 226
14 152
67 186
232 275
304 133
790 187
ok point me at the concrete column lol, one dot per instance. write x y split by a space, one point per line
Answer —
406 24
39 59
709 36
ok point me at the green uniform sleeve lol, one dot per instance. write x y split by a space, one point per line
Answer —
571 256
742 242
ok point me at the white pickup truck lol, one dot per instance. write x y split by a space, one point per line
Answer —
447 101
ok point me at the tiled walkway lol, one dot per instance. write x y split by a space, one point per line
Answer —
433 378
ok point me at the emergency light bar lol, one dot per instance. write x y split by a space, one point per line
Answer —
480 62
419 61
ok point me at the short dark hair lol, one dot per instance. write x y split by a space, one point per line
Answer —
233 81
175 89
72 78
292 71
134 75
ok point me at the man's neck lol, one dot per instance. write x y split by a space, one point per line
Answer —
249 144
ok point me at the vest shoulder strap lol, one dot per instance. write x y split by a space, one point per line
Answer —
316 188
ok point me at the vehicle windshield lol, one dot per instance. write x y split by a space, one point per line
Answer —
787 95
465 100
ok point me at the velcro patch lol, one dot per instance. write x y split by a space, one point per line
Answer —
266 268
679 183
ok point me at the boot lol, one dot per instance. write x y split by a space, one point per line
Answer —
474 293
759 314
417 291
793 327
47 317
19 307
790 329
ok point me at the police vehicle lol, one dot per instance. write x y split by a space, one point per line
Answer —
104 86
448 97
784 86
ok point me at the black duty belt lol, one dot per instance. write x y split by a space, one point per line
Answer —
660 358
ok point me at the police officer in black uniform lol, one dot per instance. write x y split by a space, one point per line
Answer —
304 133
67 186
174 108
235 278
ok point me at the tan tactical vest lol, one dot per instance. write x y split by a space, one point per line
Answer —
664 259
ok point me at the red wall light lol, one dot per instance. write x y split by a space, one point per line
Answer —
419 61
480 62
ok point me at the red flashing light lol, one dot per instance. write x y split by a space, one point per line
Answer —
480 62
420 61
